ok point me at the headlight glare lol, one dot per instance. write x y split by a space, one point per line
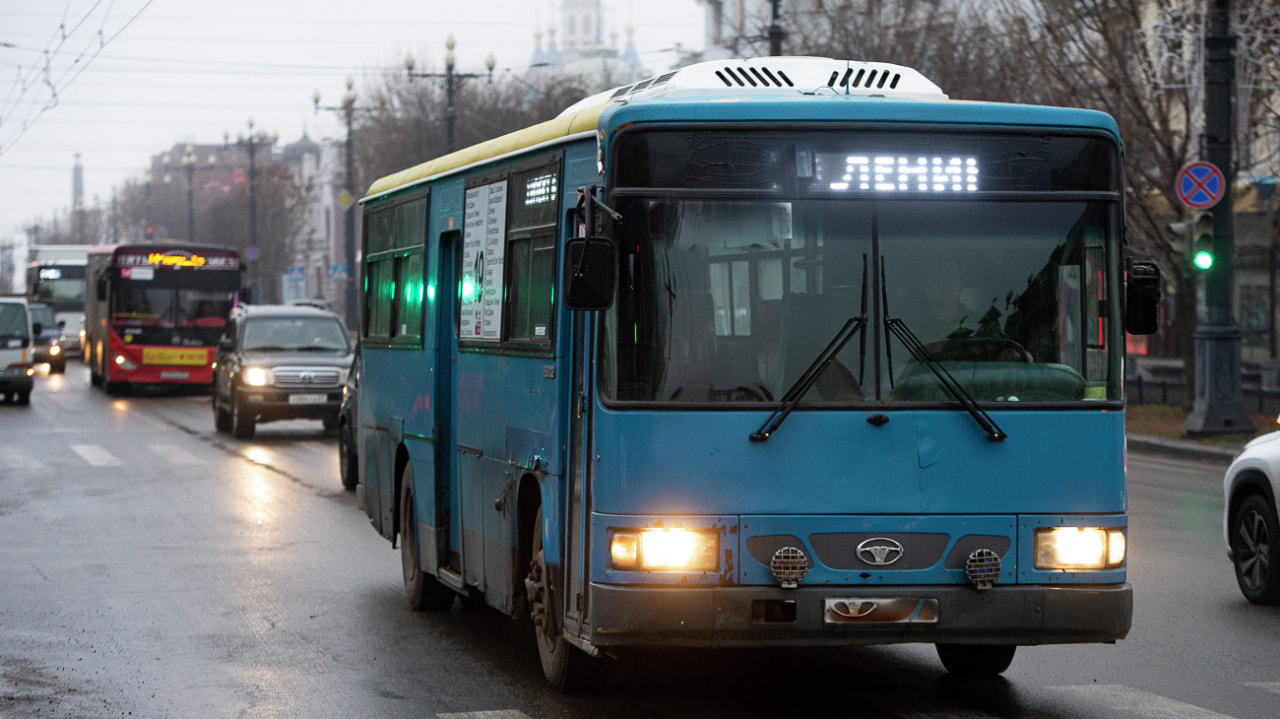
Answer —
256 377
1079 548
125 363
666 549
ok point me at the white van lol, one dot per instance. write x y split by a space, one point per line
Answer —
17 368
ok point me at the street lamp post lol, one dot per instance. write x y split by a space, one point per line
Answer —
251 143
348 108
451 79
189 164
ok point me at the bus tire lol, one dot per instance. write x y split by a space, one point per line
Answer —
242 421
424 593
567 669
348 459
976 660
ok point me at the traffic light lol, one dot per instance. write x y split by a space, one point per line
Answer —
1202 241
150 231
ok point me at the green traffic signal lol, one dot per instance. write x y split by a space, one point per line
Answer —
1202 241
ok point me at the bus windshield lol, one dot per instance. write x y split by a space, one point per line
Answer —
60 286
730 300
145 313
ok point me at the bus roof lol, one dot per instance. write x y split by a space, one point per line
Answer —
776 89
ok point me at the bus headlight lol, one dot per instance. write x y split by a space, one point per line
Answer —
666 549
1079 548
256 377
125 363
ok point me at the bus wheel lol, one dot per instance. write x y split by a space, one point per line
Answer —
347 458
221 416
567 669
421 589
976 660
242 421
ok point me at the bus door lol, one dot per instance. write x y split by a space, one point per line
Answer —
446 501
574 555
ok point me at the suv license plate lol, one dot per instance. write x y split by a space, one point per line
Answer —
307 399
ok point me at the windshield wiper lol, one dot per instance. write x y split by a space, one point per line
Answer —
899 329
819 365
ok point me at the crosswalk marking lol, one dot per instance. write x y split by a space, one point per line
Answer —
1273 687
174 454
95 455
13 459
1139 703
495 714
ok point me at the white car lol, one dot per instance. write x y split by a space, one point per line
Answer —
1249 522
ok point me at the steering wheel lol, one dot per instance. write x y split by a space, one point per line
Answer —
983 349
758 392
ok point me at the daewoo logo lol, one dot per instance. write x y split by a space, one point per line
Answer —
880 551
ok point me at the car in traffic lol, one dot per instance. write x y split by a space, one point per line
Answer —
72 337
17 369
1249 523
47 347
276 362
349 428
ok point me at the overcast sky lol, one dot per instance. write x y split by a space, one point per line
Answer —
120 80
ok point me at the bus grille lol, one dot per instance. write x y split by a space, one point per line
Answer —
306 377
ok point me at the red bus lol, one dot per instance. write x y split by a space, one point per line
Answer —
154 312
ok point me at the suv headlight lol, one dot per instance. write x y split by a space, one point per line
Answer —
1079 548
257 376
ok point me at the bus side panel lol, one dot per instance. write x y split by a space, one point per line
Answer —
507 424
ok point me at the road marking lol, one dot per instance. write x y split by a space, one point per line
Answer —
1273 687
13 459
495 714
174 454
95 455
1140 703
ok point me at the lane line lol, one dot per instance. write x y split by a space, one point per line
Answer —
1273 687
494 714
1139 703
95 455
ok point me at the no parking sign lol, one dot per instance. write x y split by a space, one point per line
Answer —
1200 185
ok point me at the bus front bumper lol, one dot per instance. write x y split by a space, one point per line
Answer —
813 616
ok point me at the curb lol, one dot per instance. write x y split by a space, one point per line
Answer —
1185 449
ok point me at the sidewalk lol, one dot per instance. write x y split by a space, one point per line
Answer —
1184 448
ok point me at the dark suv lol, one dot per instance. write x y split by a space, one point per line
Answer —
279 362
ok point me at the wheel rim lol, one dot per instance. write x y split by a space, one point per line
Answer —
538 595
1253 551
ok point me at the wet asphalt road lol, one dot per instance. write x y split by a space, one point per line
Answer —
151 567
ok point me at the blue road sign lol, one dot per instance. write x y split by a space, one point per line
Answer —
1200 185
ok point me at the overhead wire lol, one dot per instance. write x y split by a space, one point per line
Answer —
67 78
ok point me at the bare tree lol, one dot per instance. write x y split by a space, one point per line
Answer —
405 122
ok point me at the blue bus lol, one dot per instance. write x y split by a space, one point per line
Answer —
783 351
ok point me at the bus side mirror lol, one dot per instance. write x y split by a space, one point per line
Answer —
102 289
590 268
1142 299
227 344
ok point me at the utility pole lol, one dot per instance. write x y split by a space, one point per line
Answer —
775 31
1219 405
